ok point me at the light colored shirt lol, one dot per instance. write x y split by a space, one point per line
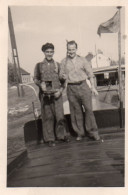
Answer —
76 70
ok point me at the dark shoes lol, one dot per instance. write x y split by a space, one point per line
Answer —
51 143
66 139
95 137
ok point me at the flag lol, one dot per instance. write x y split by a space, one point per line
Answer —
111 26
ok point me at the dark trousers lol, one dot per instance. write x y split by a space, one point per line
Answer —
80 98
53 122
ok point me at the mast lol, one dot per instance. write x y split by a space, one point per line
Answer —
120 73
96 56
15 54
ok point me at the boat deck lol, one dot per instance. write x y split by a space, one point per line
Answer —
85 163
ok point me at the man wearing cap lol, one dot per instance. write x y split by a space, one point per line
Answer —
46 76
74 70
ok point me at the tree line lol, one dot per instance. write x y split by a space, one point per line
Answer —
12 74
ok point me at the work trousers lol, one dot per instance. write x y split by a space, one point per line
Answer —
53 122
80 97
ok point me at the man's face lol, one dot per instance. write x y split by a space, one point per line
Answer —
49 54
71 49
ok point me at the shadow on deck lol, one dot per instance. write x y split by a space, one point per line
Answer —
75 164
86 163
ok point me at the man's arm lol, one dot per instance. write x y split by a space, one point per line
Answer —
37 76
37 80
62 71
90 75
93 86
61 74
62 80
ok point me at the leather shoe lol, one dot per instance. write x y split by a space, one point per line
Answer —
96 137
51 144
79 138
66 139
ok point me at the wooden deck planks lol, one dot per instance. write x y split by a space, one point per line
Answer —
76 164
113 179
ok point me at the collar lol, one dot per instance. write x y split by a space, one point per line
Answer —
73 60
45 61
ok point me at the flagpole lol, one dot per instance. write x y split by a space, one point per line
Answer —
120 73
96 56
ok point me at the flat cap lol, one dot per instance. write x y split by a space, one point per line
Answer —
47 46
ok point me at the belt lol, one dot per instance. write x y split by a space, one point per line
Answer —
76 83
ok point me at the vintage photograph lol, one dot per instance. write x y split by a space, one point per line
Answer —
66 96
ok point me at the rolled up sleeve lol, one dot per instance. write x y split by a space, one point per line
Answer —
88 69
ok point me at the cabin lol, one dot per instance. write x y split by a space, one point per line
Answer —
100 60
105 73
108 75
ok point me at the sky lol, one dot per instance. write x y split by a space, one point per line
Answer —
36 25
